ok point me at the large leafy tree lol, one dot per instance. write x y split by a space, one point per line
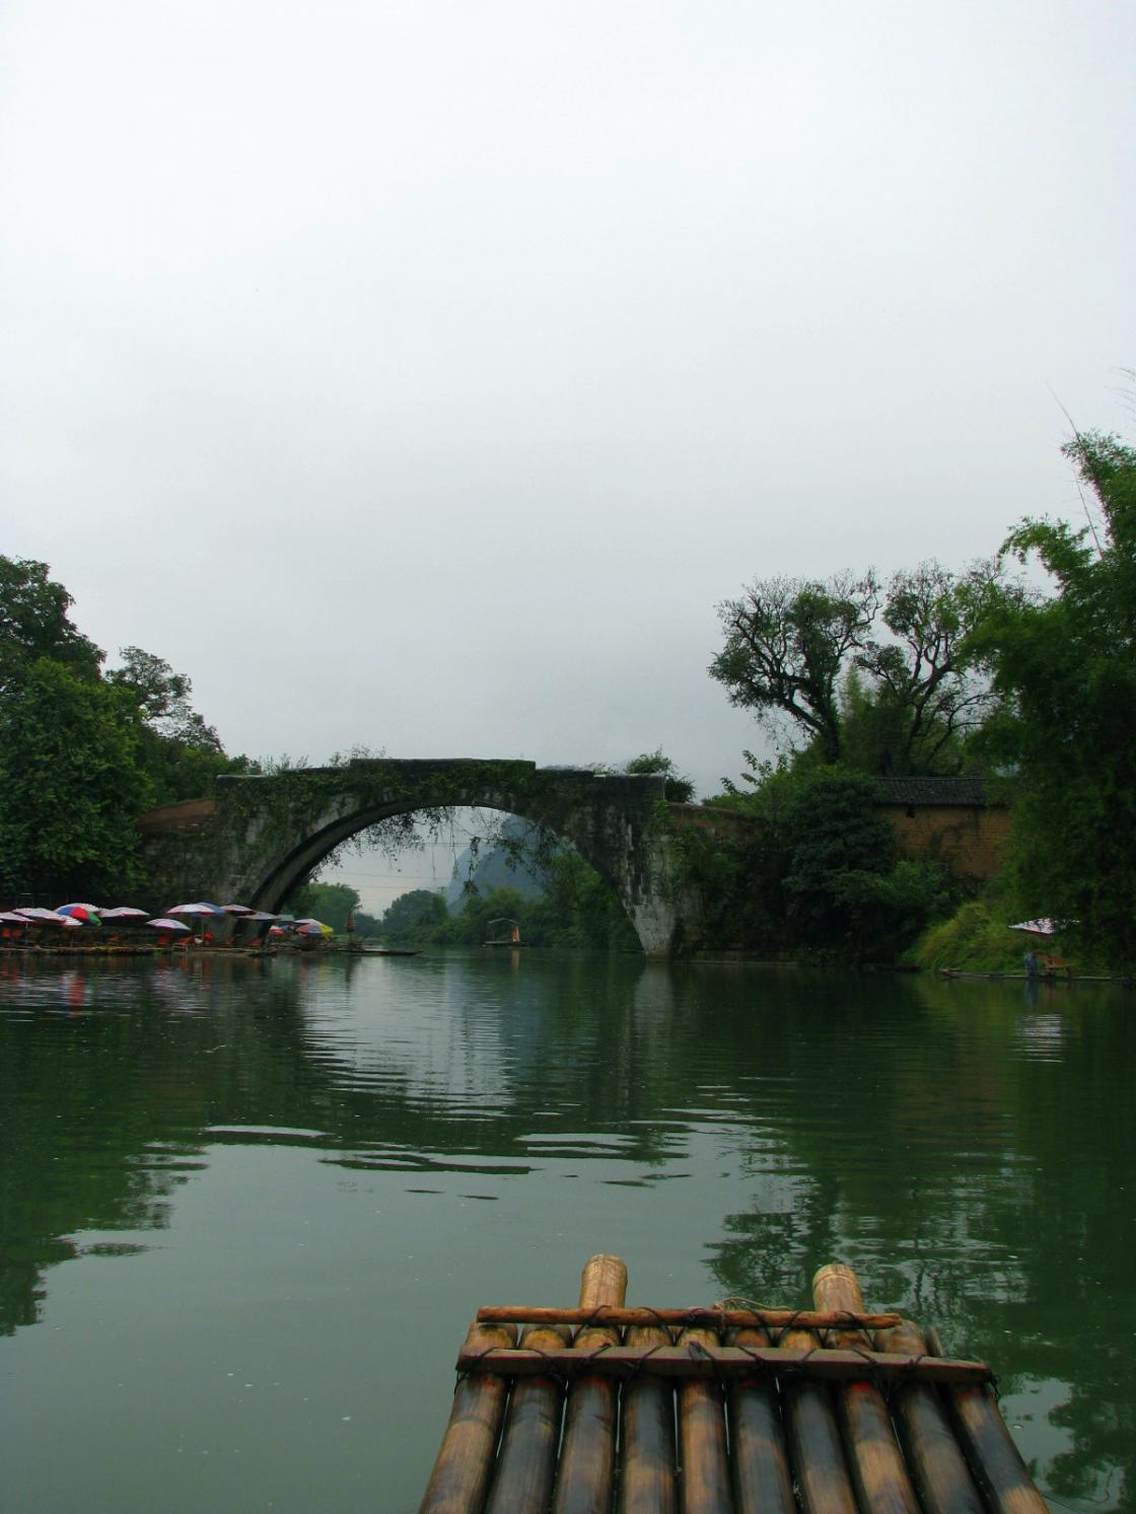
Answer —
72 781
83 753
1064 667
787 644
34 623
182 753
879 678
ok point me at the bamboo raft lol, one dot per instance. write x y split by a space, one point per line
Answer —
603 1409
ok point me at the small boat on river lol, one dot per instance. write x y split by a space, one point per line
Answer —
512 935
736 1407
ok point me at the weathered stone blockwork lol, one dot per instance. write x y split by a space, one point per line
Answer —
263 836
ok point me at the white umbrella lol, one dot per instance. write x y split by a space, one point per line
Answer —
1043 927
124 912
237 909
167 924
195 909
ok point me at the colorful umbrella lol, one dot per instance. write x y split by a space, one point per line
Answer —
81 904
79 912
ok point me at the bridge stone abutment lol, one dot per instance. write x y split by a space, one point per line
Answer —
262 836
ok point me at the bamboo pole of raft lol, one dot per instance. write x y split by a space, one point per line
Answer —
938 1466
762 1484
526 1462
586 1472
994 1458
465 1459
705 1480
814 1439
873 1453
710 1319
647 1481
841 1364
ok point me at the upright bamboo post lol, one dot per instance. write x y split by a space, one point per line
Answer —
876 1460
586 1473
994 1459
705 1480
465 1459
938 1466
762 1482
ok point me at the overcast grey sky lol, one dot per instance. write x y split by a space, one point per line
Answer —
420 375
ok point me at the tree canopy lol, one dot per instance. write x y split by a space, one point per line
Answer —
82 751
1064 670
879 678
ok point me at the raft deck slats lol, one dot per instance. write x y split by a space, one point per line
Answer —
762 1481
586 1475
647 1485
526 1463
878 1471
844 1423
702 1435
938 1467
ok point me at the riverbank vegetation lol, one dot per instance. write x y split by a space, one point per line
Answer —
1020 669
941 673
84 749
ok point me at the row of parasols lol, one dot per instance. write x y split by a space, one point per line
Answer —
79 916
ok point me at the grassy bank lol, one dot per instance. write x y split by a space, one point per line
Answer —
978 938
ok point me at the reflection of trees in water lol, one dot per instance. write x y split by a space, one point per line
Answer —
940 1171
919 1132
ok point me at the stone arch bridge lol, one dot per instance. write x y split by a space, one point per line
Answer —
261 836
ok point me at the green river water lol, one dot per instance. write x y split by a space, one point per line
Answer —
248 1207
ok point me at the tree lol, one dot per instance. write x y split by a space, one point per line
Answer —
184 755
897 698
34 623
1064 669
72 781
924 695
330 903
413 917
787 644
163 698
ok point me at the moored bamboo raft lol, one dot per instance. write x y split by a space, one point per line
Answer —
832 1410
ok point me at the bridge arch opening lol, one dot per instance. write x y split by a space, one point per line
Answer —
484 859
